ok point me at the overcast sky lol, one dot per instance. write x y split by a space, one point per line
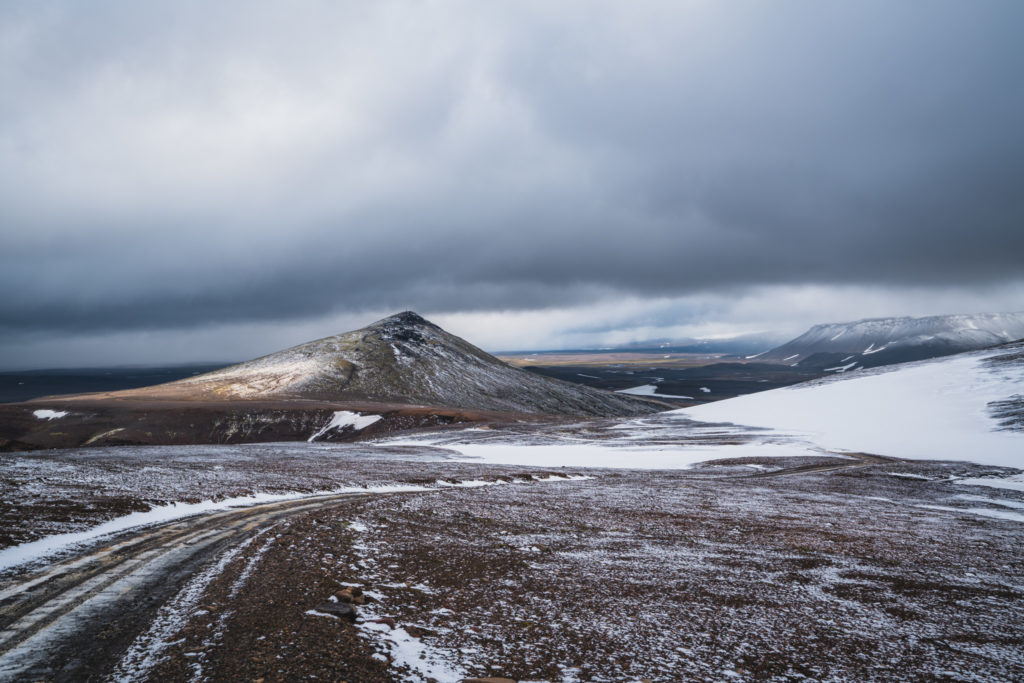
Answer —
213 181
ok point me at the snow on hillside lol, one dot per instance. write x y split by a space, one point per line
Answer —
400 359
882 341
938 409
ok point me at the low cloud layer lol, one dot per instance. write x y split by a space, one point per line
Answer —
191 167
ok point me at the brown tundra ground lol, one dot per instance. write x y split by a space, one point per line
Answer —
757 569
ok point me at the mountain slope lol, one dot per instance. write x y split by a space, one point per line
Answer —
400 359
964 407
884 341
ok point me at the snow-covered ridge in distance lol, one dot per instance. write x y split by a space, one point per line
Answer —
883 341
965 407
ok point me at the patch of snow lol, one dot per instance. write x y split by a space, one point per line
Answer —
756 355
705 390
47 414
841 368
596 455
648 390
410 652
469 483
908 475
343 419
930 410
1012 483
790 357
314 613
871 349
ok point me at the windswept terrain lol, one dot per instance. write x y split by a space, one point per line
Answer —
864 527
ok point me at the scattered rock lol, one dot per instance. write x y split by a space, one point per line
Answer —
338 609
352 594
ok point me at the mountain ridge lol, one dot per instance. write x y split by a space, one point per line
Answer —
872 342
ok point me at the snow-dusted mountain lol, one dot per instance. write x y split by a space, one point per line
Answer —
400 359
839 347
964 407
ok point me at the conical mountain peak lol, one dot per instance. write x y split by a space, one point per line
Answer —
409 318
400 359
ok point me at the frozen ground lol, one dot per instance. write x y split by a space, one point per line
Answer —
780 568
860 574
794 554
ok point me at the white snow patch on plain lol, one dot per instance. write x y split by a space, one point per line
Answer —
705 390
648 390
596 455
408 651
1012 483
932 410
908 475
47 414
343 419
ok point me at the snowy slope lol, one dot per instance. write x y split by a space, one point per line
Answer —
965 407
883 341
400 359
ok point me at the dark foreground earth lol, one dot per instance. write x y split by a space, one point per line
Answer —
757 569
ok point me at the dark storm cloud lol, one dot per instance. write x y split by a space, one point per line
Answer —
179 167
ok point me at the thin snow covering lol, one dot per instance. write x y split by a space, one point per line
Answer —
343 419
648 390
401 359
596 455
934 410
147 650
47 414
981 512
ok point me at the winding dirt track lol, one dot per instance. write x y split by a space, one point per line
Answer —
71 620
